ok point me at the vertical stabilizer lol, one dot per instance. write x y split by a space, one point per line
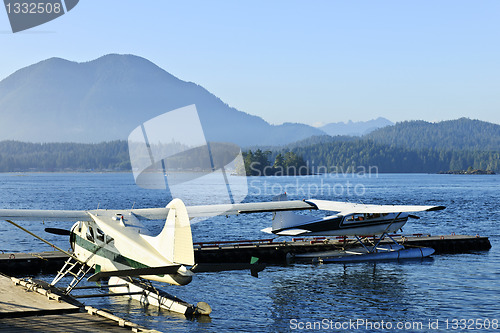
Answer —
175 241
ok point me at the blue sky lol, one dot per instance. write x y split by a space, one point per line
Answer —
295 61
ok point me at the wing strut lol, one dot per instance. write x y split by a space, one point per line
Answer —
43 240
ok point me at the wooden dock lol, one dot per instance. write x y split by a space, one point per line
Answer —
238 254
32 263
28 307
25 306
19 301
278 253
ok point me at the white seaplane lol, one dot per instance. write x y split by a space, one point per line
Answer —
352 219
115 243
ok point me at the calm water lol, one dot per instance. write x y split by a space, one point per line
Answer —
282 299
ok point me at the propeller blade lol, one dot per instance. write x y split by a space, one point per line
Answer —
413 216
57 231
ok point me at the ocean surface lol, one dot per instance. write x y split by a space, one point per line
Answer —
456 292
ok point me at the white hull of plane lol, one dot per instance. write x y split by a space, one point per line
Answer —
155 297
383 253
413 253
359 231
291 224
131 247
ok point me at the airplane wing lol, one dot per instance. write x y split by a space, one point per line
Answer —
227 209
76 215
43 215
345 208
214 210
171 269
245 208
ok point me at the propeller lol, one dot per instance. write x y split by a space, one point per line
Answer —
57 231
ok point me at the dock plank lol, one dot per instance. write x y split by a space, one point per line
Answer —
70 322
17 301
25 310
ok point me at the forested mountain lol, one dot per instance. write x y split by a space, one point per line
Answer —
361 155
411 146
457 145
259 163
460 134
339 156
349 155
21 156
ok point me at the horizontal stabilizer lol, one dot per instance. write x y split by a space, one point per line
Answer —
268 230
289 232
172 269
292 232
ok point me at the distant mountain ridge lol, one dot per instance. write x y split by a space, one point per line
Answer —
57 100
459 134
410 146
357 128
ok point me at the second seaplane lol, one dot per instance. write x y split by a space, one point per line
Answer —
356 220
116 244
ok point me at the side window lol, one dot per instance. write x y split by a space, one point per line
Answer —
99 234
359 217
90 234
355 218
109 239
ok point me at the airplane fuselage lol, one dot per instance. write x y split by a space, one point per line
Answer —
348 225
112 241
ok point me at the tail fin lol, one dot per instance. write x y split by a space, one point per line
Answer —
284 219
175 241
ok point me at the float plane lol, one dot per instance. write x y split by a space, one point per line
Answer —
115 243
352 219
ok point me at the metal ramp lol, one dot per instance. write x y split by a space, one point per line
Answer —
69 266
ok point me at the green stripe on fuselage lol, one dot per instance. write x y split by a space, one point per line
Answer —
106 253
